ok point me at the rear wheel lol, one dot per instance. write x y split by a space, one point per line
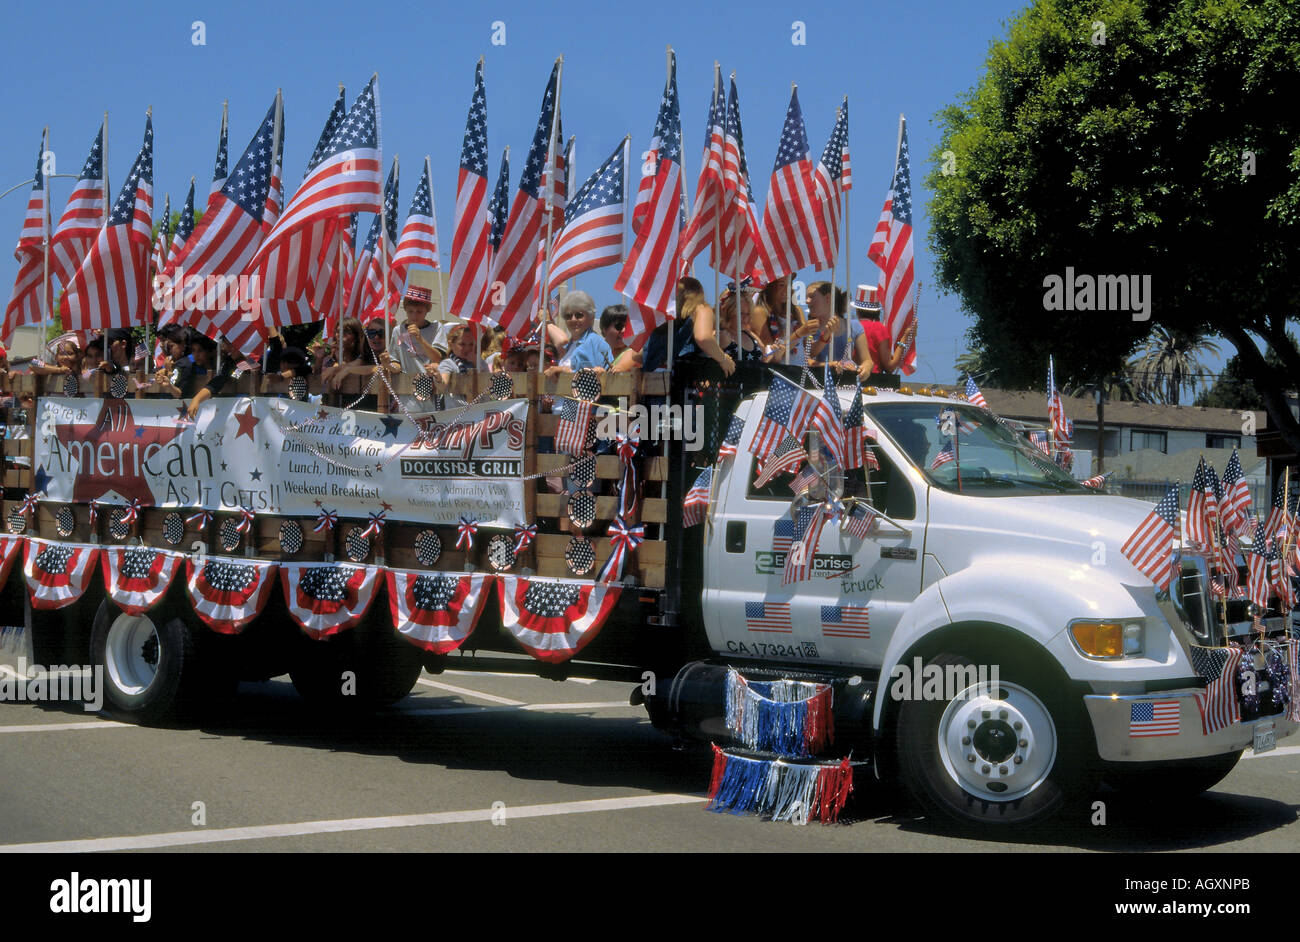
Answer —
358 669
1009 755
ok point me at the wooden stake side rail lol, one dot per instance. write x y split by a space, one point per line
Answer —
395 546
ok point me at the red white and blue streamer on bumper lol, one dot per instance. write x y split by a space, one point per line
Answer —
57 573
137 577
790 717
436 611
780 789
554 619
227 592
326 598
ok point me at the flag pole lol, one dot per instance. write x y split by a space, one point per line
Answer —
848 255
45 239
108 208
735 245
433 211
789 287
543 290
668 71
385 268
148 311
569 176
717 214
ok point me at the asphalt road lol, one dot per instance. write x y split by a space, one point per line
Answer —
560 766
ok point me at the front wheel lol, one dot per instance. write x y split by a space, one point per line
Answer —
1009 754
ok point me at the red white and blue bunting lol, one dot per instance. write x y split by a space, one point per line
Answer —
136 577
623 541
326 598
10 544
57 573
790 717
554 619
228 592
779 789
436 611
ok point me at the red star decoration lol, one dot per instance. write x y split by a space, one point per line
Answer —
247 423
115 427
386 505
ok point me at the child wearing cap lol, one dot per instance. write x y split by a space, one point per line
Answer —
413 339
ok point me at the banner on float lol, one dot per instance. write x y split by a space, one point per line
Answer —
285 457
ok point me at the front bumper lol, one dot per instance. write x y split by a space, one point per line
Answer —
1111 721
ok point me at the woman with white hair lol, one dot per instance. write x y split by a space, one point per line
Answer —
579 346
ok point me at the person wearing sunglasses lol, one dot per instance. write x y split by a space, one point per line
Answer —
577 345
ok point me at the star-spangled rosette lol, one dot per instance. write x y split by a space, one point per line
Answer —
137 577
94 513
246 517
376 525
554 619
131 513
524 537
624 538
57 574
326 598
436 611
227 592
465 532
326 520
28 505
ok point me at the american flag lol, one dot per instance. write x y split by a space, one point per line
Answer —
649 276
782 535
341 275
787 456
788 411
367 297
219 171
347 180
1257 563
26 306
805 479
1213 495
1062 428
768 617
184 224
947 453
162 242
83 215
731 441
573 433
808 523
1039 439
1200 527
829 419
794 232
1279 517
829 183
418 244
592 236
328 282
515 262
471 252
228 236
1236 496
846 621
846 166
742 244
706 215
1150 547
1226 561
1280 574
1097 481
973 394
855 433
860 520
275 192
891 249
1218 701
111 288
696 504
1153 718
559 197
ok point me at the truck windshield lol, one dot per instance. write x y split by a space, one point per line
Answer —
981 456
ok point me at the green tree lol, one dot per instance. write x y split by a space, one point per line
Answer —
1156 139
1168 362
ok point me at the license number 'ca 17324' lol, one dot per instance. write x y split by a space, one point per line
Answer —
804 649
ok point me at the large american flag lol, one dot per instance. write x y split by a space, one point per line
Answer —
1200 526
180 238
329 283
788 411
706 215
1150 547
275 193
1218 701
592 236
228 237
418 244
1236 496
111 288
499 205
515 264
346 180
471 252
742 244
829 180
649 276
83 216
891 249
793 229
26 306
373 268
219 167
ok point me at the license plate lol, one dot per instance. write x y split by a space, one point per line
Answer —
1265 736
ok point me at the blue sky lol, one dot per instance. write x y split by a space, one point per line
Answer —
887 57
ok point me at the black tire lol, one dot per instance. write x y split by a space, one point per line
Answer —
188 674
1183 778
1058 765
356 670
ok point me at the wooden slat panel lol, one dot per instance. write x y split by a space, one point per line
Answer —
608 467
16 478
651 552
653 509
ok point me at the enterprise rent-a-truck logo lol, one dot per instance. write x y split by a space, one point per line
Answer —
77 895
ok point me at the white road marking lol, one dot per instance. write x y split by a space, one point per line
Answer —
56 727
567 680
543 707
466 692
1279 751
266 831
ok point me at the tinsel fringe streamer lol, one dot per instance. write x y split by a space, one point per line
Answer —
789 717
779 790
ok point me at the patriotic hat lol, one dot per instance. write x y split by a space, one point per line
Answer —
864 298
418 293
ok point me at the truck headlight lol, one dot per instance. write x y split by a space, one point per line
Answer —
1107 640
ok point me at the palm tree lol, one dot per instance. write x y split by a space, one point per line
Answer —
1118 387
1168 362
973 362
